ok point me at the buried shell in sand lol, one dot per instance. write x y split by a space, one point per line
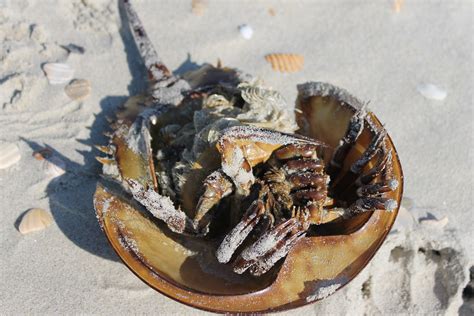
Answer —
34 219
9 154
219 199
78 89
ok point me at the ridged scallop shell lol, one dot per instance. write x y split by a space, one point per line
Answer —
58 73
33 220
9 154
285 62
54 167
78 89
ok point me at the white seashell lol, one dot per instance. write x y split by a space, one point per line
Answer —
246 31
78 89
54 167
58 73
33 220
430 91
434 222
9 154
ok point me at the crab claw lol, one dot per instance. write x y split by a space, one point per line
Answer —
236 237
217 186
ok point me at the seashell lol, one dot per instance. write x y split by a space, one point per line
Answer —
246 31
433 222
54 167
58 73
397 5
42 154
285 62
78 89
198 7
9 154
34 219
430 91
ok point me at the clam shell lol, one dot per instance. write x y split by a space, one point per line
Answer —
78 89
285 62
9 154
58 73
54 167
33 220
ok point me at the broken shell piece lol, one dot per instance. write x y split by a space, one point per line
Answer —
434 222
33 220
285 62
78 89
198 6
9 154
246 31
54 167
58 73
42 154
430 91
397 5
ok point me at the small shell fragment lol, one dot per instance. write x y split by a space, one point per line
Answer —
54 167
246 31
9 154
397 5
58 73
198 6
271 11
42 154
78 89
285 62
434 222
430 91
34 219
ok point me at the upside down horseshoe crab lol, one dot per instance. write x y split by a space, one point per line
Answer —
219 199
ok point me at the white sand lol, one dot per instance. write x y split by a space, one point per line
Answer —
367 48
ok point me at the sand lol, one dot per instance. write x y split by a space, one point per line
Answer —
366 47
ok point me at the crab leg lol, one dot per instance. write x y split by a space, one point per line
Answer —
273 245
367 204
157 71
356 125
376 145
159 206
237 236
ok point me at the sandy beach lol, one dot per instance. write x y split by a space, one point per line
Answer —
413 63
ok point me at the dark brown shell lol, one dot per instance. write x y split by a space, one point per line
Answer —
184 268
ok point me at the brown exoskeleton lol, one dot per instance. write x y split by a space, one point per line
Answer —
211 136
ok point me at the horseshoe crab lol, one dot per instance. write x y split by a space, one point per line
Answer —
216 197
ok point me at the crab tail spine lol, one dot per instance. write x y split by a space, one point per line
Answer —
157 71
